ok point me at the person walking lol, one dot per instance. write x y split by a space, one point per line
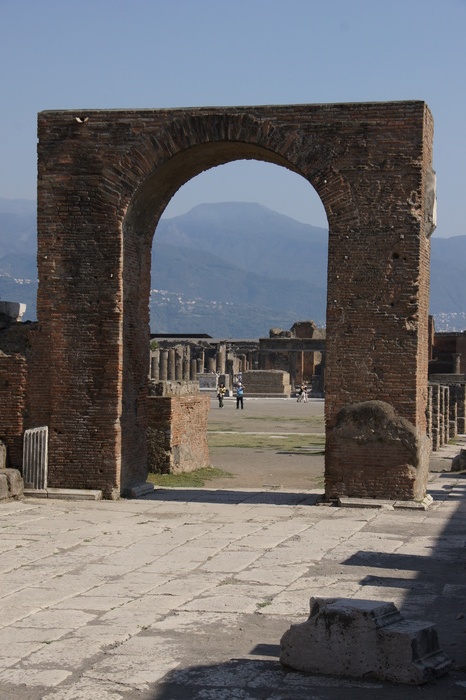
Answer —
221 391
304 390
239 395
302 393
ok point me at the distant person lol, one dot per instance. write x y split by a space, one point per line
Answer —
221 391
239 395
304 391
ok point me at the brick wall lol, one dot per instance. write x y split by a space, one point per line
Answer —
177 433
13 384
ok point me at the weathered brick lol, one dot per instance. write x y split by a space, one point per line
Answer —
105 178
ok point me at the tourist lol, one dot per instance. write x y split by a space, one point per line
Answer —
304 391
239 395
221 391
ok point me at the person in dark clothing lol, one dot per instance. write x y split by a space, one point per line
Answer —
239 395
221 391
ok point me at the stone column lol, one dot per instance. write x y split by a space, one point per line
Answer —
441 417
446 414
178 364
429 411
194 369
221 354
293 373
163 372
186 363
171 364
452 414
154 365
435 433
211 365
457 363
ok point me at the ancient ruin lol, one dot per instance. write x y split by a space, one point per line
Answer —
104 179
361 639
298 352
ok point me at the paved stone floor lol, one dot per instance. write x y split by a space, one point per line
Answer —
185 594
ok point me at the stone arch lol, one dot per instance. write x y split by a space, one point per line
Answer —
105 178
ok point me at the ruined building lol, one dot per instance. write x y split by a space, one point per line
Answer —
105 178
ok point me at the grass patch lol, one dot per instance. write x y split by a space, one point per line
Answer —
308 421
266 441
195 479
318 420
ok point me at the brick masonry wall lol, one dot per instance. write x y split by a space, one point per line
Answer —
177 433
104 179
13 384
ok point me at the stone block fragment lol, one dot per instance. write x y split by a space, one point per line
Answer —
2 455
12 310
458 463
15 483
4 492
360 638
374 452
11 484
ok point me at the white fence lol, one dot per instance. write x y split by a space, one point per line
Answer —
35 458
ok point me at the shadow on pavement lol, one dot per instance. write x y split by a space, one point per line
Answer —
250 679
435 586
284 498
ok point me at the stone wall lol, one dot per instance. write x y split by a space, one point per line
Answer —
266 383
13 385
448 353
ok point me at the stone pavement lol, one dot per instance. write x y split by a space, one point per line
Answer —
185 594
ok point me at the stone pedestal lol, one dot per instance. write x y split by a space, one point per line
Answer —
360 638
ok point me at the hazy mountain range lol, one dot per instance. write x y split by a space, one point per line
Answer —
229 269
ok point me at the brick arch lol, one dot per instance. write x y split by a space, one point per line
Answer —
105 178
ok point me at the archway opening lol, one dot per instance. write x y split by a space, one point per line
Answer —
242 249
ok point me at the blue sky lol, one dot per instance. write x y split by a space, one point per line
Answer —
89 54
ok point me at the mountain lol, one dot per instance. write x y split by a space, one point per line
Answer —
18 229
230 269
255 238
